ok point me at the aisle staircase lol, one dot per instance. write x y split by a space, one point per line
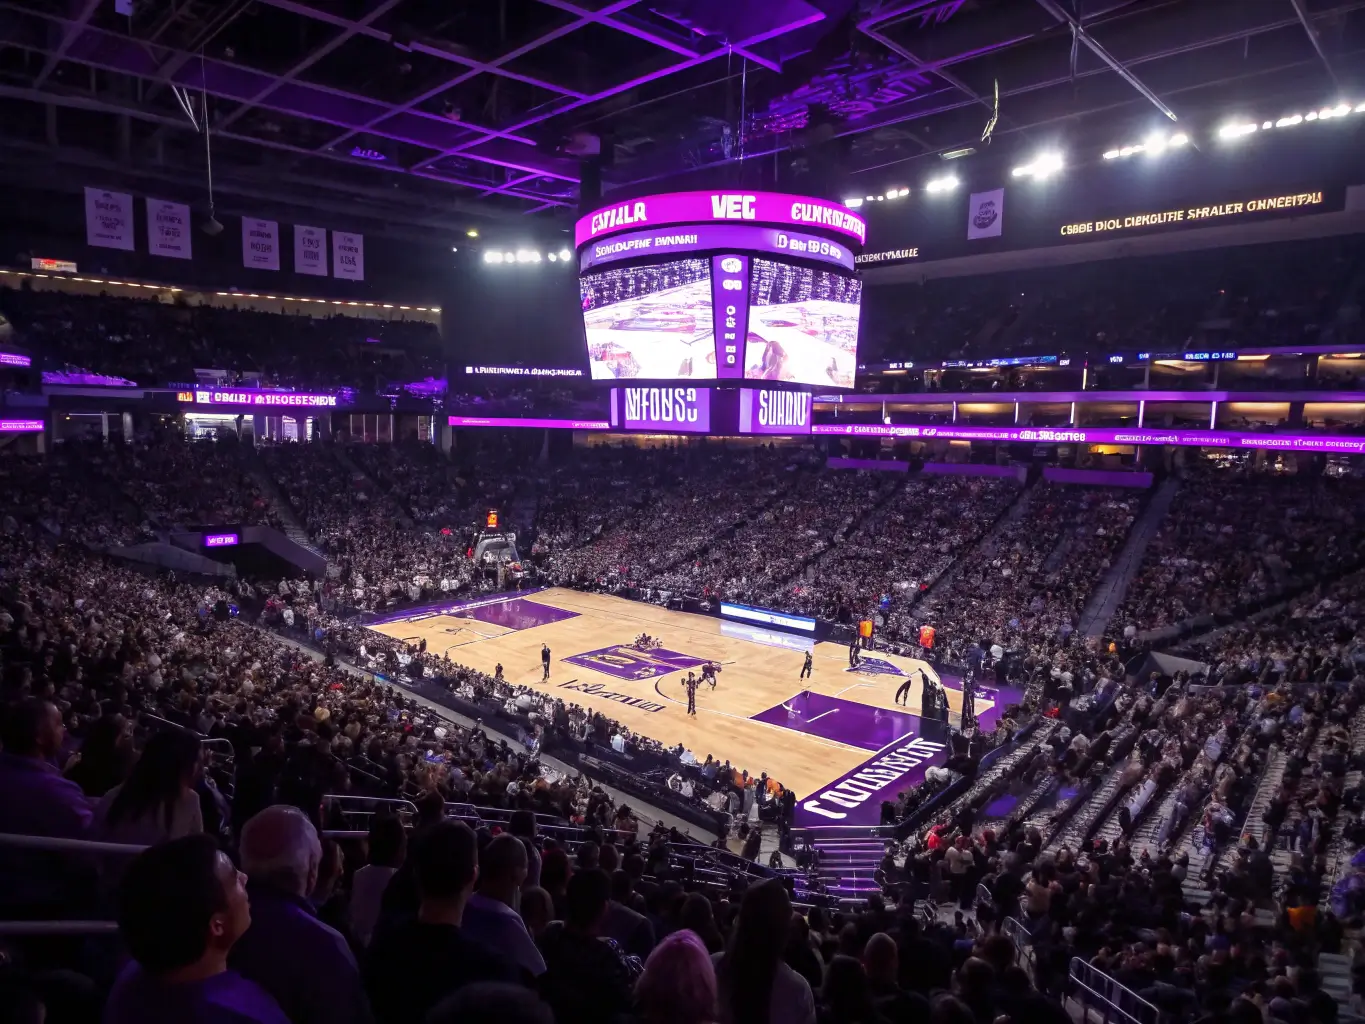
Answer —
848 861
1073 833
292 527
1109 594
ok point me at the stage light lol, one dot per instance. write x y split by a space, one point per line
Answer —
492 257
564 255
454 248
553 257
1360 108
509 257
944 184
1286 122
1178 139
880 198
1268 125
853 203
1237 130
1112 154
473 232
1312 115
871 198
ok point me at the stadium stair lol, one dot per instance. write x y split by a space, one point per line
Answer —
293 528
349 464
1074 832
987 544
848 861
1110 592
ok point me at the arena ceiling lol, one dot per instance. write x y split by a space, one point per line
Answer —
443 113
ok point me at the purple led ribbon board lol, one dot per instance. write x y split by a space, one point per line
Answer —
712 207
522 371
774 412
484 421
665 410
15 359
700 237
21 426
266 399
221 540
1105 435
730 312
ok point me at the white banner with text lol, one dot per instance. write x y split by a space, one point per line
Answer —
168 229
348 255
108 219
310 250
260 244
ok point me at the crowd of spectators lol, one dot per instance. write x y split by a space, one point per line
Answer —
153 343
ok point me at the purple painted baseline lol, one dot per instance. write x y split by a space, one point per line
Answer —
643 244
1105 435
1098 477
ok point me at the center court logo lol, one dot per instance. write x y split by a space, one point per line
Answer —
876 667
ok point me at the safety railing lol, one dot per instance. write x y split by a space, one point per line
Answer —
354 813
1111 1000
47 844
348 814
219 752
1013 929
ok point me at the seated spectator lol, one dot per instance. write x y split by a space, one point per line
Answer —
415 964
754 983
158 802
34 798
305 964
490 1002
881 962
490 917
587 977
388 844
628 927
106 756
678 985
182 907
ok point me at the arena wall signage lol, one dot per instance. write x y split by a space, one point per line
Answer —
887 256
1229 208
712 207
702 237
256 399
774 412
1103 435
15 359
767 617
522 371
485 421
671 410
221 540
21 426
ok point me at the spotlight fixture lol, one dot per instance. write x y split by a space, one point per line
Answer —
472 233
552 257
565 255
1043 166
853 203
491 256
944 184
1154 145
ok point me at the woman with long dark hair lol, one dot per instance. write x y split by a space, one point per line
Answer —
158 802
756 986
106 756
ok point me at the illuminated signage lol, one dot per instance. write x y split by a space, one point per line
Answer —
54 266
491 519
1192 214
730 312
221 540
774 412
889 256
522 371
21 426
711 207
1208 357
714 236
265 399
767 617
486 421
15 359
1103 435
672 410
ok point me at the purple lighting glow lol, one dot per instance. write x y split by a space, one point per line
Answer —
484 421
713 207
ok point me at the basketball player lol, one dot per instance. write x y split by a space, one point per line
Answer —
545 661
708 674
805 668
903 694
691 682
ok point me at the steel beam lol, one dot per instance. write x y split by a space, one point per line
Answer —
69 34
1313 38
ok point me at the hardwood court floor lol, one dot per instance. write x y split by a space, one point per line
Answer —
755 678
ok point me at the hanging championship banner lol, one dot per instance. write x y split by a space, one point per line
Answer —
260 244
986 214
108 219
310 250
348 255
168 229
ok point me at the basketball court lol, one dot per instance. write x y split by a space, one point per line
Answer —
838 738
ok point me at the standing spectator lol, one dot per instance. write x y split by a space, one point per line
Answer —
158 802
587 977
306 965
388 845
755 985
415 964
490 918
181 907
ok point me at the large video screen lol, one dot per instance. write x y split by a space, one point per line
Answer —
803 325
650 323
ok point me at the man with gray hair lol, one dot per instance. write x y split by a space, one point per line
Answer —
306 965
491 917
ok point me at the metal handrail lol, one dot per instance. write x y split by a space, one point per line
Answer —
1115 997
58 845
